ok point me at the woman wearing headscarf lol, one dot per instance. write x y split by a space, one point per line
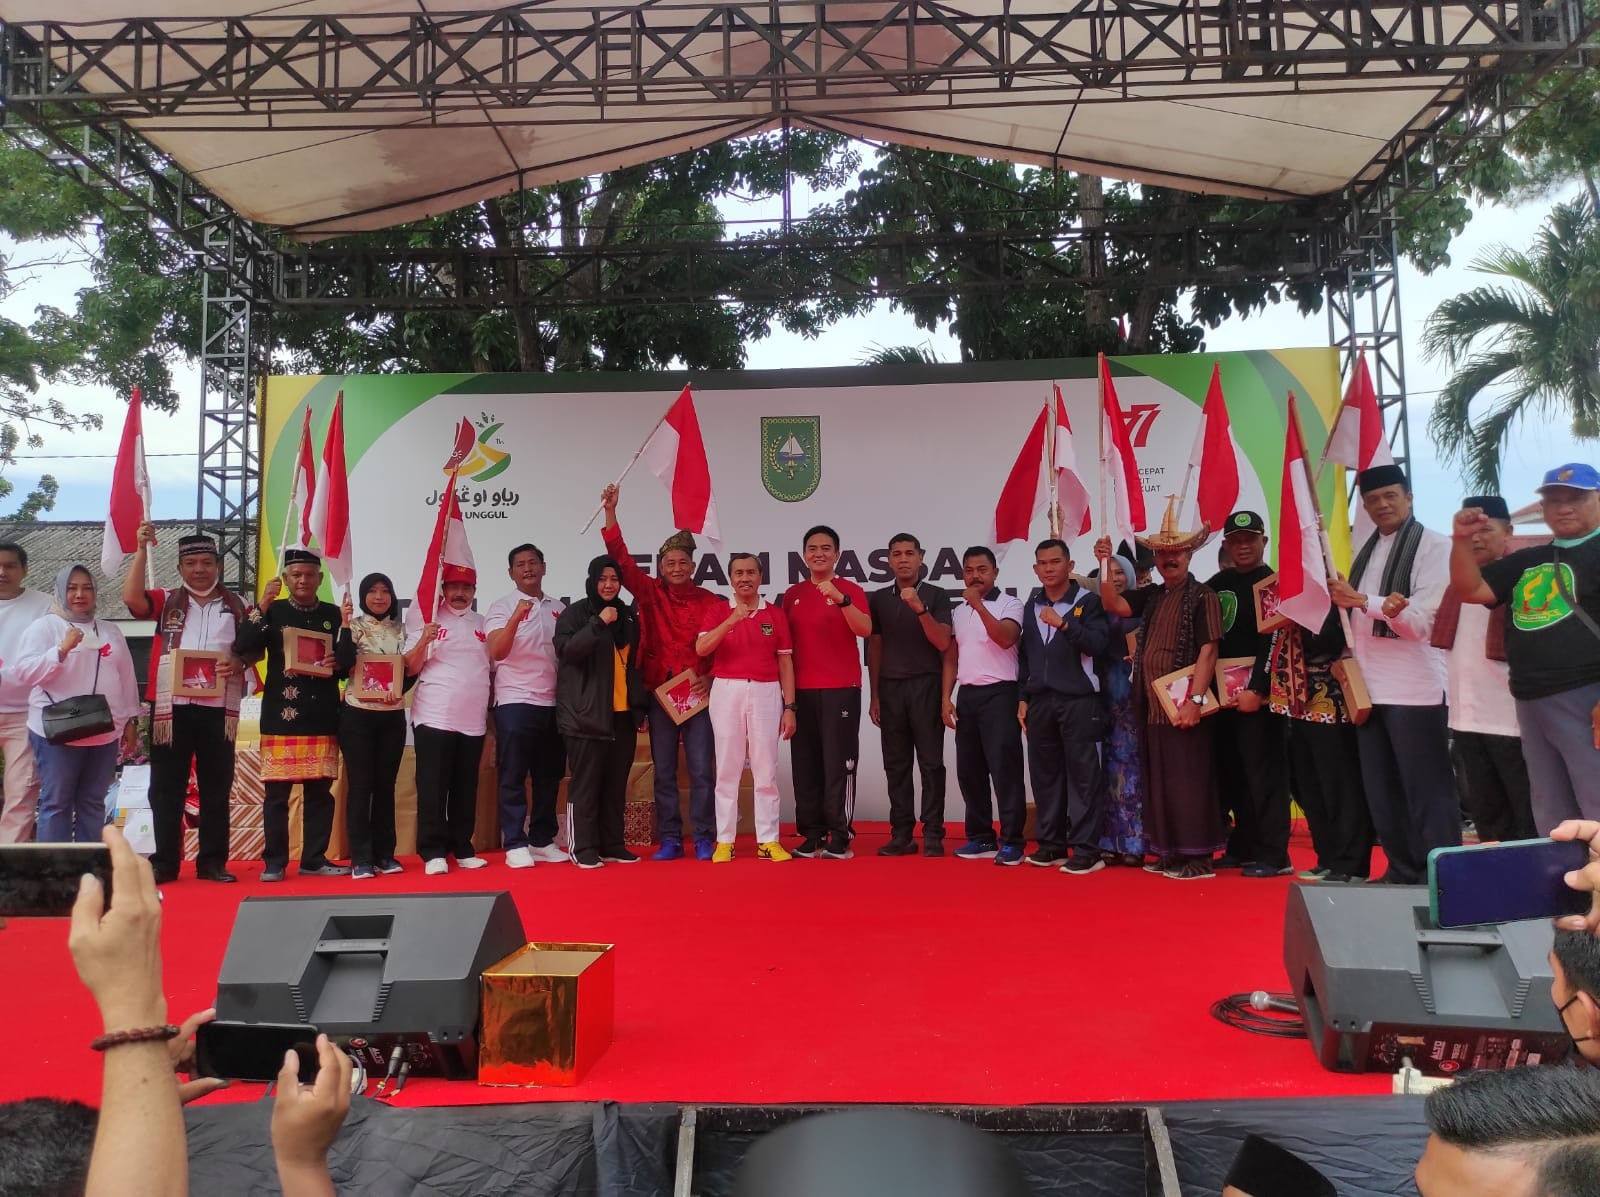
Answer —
64 654
599 701
372 732
1123 842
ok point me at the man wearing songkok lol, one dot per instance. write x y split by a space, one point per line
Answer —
1397 580
19 800
529 755
752 704
672 610
1484 737
905 662
449 720
1263 1169
299 712
200 615
1252 766
1552 639
980 671
1061 709
1182 627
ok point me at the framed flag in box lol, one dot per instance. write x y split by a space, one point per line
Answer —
378 677
307 653
195 675
1173 691
1268 617
678 699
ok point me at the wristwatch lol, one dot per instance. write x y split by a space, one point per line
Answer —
788 706
1199 700
844 601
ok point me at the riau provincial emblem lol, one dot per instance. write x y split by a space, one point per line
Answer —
791 456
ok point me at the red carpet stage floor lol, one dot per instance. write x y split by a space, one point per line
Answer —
900 980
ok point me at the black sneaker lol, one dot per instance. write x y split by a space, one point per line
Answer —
932 847
619 856
1045 857
898 846
838 848
589 860
1083 864
811 846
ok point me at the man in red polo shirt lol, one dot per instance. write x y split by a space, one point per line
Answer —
671 611
828 619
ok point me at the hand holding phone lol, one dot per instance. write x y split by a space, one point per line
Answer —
1505 882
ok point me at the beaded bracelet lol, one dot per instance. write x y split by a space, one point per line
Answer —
138 1035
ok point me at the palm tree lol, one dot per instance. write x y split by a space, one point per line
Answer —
1532 338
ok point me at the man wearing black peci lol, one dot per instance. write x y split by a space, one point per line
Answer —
905 657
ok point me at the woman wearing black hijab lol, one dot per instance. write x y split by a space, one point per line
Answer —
372 731
599 701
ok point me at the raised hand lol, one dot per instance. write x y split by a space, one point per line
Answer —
271 591
1468 521
70 641
608 615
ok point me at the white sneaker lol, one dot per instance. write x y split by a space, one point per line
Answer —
470 862
518 858
437 867
550 853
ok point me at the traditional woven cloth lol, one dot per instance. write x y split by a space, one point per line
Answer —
299 758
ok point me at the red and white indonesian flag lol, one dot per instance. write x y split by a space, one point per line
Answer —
1214 457
1302 575
1117 464
448 545
676 454
304 488
330 505
1024 492
1070 491
130 493
1357 440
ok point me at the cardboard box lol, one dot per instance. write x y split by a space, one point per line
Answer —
548 1011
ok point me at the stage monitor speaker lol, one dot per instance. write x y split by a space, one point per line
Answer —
1376 982
373 972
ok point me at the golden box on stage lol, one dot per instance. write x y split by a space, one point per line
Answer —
547 1014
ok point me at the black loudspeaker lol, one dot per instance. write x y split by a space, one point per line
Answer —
1376 983
373 972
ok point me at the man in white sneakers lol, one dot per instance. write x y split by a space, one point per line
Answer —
18 609
521 628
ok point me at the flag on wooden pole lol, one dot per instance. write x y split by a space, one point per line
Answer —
130 492
1023 494
1213 457
1357 440
330 505
1117 464
1071 494
676 454
304 488
1302 573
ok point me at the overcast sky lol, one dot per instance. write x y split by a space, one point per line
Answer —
82 462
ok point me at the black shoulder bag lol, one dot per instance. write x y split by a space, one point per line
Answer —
1566 596
74 719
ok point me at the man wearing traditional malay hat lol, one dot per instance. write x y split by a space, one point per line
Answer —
299 712
672 610
1397 580
1182 627
189 732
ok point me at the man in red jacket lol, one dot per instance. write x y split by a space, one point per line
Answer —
671 611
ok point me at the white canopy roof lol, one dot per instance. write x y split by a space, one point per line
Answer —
282 156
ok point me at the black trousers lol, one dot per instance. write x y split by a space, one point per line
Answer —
599 786
1253 784
989 748
372 743
1325 771
199 737
1069 792
822 757
1411 791
910 717
1496 783
447 792
316 821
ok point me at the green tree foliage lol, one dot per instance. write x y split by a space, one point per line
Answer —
1526 344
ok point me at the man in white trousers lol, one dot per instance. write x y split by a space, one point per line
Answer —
752 704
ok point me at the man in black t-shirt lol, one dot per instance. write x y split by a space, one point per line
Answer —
905 654
1552 640
1252 770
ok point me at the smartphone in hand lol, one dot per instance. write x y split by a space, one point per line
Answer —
41 880
253 1051
1505 882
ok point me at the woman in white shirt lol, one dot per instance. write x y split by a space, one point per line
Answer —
64 654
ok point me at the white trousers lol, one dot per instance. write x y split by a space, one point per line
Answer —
21 796
744 719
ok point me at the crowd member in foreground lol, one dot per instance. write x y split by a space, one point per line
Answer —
299 713
599 702
449 719
1122 838
306 1120
1263 1169
827 615
905 664
19 795
67 653
752 704
372 732
1552 641
529 756
198 733
672 610
980 670
1575 989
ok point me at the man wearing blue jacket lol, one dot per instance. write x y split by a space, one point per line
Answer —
1063 715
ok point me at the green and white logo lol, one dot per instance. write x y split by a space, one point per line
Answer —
1230 609
791 456
1539 604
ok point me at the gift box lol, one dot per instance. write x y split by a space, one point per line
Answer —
548 1010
